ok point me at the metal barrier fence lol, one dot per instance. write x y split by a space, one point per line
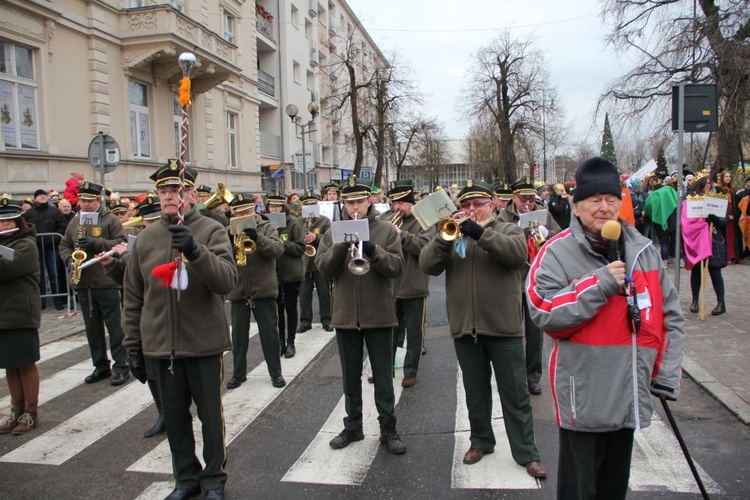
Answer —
54 277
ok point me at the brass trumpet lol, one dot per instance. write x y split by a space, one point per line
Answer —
536 234
397 219
449 229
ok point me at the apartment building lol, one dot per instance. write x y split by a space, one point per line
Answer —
70 69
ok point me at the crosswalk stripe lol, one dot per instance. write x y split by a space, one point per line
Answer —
55 349
59 383
321 464
658 463
243 404
65 441
495 471
158 489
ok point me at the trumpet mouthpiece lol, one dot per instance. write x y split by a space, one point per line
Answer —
611 230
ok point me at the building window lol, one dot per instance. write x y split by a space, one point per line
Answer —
178 5
232 121
18 112
296 72
228 27
298 180
140 136
310 80
133 4
308 30
295 17
177 123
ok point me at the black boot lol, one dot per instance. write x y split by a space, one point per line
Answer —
390 438
158 427
695 306
719 309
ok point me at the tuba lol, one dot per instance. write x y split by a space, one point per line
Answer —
221 196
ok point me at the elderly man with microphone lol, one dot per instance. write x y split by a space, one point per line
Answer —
614 331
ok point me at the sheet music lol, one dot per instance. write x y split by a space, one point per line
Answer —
278 219
328 208
524 220
7 253
310 211
381 208
433 209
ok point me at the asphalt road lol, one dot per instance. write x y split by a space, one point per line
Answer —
90 445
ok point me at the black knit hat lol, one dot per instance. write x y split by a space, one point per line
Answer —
40 192
596 176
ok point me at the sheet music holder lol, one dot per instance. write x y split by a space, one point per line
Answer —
350 231
278 219
433 209
310 211
239 224
88 218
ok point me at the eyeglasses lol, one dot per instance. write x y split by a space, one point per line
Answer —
526 198
474 204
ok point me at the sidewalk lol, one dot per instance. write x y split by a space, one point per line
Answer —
717 350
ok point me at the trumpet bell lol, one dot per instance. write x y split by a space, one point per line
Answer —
245 246
359 266
133 222
449 230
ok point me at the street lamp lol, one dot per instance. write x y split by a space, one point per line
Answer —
544 133
305 128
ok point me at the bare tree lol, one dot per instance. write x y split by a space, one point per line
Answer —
673 45
508 80
483 150
429 153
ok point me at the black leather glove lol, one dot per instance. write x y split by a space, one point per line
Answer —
137 364
368 248
472 229
182 240
712 219
251 233
86 242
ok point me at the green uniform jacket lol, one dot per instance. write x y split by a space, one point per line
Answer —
116 269
366 301
483 290
510 214
153 318
108 233
319 227
289 265
257 280
413 283
20 302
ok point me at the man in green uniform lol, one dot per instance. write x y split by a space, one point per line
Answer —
364 312
185 329
314 229
256 291
98 294
524 201
487 333
412 286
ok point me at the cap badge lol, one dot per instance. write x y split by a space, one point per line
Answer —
470 183
173 164
240 197
352 182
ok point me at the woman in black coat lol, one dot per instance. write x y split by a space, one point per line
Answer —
559 206
20 316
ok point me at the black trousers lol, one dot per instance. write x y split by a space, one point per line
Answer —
477 360
351 354
594 465
194 379
100 306
265 314
322 285
287 302
411 315
534 339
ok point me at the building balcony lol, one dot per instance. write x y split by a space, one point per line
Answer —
270 145
153 37
264 26
266 83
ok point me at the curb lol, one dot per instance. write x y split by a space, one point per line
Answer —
719 391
